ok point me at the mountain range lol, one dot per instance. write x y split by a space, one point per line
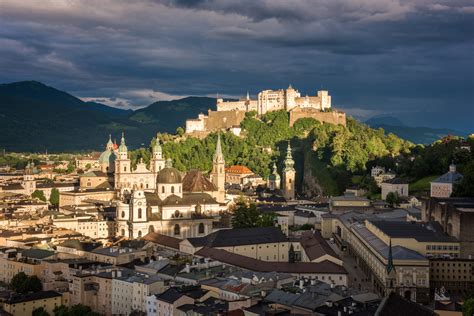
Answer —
35 117
415 134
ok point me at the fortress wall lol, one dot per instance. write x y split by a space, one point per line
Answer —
326 117
223 119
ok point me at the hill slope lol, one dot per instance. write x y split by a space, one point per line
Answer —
36 117
415 134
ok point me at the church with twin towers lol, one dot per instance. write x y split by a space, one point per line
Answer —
162 199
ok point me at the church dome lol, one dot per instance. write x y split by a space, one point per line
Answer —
107 157
169 174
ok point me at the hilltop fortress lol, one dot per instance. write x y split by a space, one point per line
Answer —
229 114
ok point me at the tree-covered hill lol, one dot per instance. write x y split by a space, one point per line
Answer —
339 151
36 117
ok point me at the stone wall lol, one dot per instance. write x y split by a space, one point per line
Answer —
218 120
326 117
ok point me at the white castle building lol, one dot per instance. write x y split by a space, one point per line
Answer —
274 100
229 114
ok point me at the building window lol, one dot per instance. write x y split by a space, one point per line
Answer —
172 189
139 234
162 189
176 214
124 168
177 230
123 214
201 228
139 213
122 232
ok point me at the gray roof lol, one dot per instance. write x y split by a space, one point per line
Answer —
449 177
37 253
420 231
240 236
398 252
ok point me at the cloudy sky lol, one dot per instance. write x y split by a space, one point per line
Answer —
411 59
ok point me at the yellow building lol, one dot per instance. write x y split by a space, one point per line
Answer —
22 305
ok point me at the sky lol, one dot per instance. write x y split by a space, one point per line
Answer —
410 59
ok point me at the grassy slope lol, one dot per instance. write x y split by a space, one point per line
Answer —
422 184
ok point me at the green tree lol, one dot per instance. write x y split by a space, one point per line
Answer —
180 131
468 307
392 198
54 197
39 194
40 312
22 283
245 216
61 310
465 188
88 166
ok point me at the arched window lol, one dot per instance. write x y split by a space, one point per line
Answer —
151 229
172 189
124 168
177 230
139 213
141 185
179 189
201 228
290 180
176 214
139 234
147 185
123 214
122 232
163 189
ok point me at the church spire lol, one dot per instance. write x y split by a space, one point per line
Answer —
122 148
390 266
218 156
289 162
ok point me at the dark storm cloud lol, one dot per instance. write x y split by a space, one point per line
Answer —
375 56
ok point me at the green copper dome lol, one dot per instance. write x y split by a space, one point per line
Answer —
157 148
107 157
122 148
274 176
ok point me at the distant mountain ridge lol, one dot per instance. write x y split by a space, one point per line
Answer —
36 117
417 135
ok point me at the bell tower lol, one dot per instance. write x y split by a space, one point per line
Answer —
289 175
218 171
157 160
122 164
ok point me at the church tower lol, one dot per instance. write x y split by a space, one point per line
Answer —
274 179
122 166
218 171
157 161
289 175
29 183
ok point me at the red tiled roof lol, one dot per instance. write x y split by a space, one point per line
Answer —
238 170
268 266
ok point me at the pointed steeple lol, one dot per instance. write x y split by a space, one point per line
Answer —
218 156
123 148
390 266
157 148
289 162
110 144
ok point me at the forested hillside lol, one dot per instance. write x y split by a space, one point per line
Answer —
340 151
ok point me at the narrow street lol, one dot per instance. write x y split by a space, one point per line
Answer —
356 278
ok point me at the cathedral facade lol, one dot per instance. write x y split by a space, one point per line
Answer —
162 200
